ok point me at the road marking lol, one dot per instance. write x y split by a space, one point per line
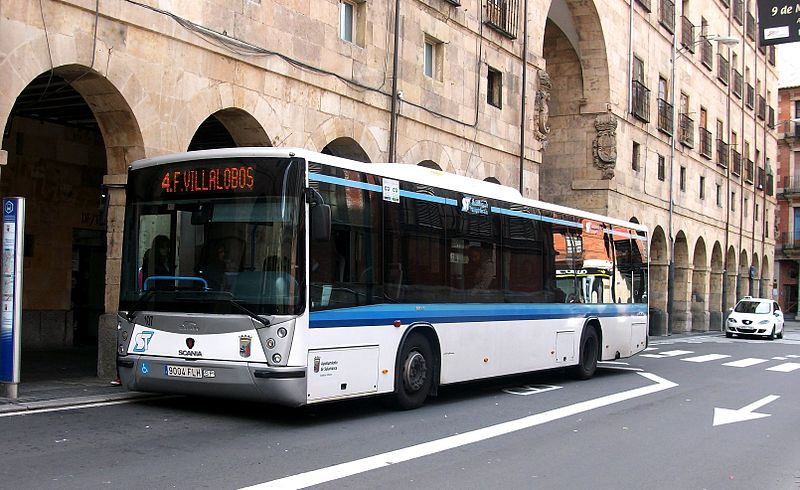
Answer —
779 358
335 472
669 353
786 367
724 416
650 348
527 390
621 363
35 411
792 356
750 361
706 358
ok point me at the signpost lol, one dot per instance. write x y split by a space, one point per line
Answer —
778 22
11 293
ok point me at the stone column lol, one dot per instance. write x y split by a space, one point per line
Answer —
107 328
716 314
658 299
681 304
699 298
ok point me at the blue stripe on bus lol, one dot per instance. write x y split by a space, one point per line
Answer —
386 314
345 182
427 197
521 214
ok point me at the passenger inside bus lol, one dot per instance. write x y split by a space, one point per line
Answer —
157 261
482 269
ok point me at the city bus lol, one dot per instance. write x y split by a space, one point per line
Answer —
295 277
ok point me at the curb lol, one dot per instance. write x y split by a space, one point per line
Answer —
77 401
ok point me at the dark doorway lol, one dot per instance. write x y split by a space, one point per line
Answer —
88 279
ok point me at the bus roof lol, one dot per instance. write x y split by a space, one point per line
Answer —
399 171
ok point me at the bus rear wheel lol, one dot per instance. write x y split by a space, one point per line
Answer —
588 355
413 373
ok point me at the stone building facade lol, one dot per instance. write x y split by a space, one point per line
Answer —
787 251
88 87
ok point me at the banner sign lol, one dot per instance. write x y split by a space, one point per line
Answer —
11 288
778 21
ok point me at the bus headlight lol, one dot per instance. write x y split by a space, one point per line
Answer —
276 358
270 343
281 332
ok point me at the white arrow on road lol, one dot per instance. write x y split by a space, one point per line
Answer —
724 416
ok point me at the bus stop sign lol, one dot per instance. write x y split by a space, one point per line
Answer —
11 291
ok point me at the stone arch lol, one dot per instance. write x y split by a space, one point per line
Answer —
244 112
715 296
659 272
682 286
334 128
493 180
732 273
755 283
766 279
229 127
431 151
634 219
109 114
699 294
430 164
742 287
346 148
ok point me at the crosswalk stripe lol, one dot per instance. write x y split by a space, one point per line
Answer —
778 358
706 358
786 367
793 356
651 348
750 361
673 353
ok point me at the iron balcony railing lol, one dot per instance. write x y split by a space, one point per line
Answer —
761 178
750 99
705 142
791 184
789 241
738 11
723 153
667 15
790 130
707 54
738 81
723 69
502 16
737 163
686 130
771 55
751 26
665 116
687 34
748 171
762 107
771 117
641 101
770 184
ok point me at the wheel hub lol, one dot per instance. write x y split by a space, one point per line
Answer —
415 370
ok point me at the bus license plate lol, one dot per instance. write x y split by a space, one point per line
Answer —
183 371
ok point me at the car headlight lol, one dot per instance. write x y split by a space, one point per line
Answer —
763 322
732 319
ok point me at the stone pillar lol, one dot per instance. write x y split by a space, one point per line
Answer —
715 301
699 298
658 299
681 305
107 327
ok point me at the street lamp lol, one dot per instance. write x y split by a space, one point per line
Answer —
721 40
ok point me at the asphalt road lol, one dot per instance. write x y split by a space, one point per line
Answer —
652 428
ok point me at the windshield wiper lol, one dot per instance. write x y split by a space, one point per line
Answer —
131 315
248 312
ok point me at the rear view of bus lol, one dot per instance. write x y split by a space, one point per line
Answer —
213 278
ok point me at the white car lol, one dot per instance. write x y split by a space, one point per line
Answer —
755 316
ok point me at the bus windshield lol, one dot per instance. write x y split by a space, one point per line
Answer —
215 236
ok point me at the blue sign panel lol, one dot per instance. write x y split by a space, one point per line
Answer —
11 288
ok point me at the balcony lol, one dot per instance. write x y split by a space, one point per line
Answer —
750 99
641 101
751 26
738 11
665 116
705 143
686 130
723 69
788 245
771 55
771 117
723 153
667 15
770 184
645 4
501 15
762 179
687 34
738 81
791 185
790 130
748 171
762 107
737 163
707 54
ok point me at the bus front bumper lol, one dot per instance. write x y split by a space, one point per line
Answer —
243 380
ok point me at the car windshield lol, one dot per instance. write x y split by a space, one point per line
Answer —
204 234
759 307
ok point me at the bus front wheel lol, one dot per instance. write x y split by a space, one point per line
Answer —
590 350
414 373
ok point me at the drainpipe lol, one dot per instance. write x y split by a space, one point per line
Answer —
630 57
393 119
670 241
724 304
524 92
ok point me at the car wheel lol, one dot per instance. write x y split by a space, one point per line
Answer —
780 335
728 334
771 335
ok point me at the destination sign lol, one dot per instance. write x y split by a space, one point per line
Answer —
205 180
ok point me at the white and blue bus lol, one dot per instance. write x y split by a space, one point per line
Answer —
295 277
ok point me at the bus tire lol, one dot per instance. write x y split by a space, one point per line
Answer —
414 373
589 353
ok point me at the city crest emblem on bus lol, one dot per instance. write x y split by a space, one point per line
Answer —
244 345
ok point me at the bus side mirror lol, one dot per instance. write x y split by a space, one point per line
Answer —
320 222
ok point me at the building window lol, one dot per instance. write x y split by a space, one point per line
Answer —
719 196
346 20
661 168
746 205
702 187
641 94
432 58
733 201
494 88
683 179
635 157
756 213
